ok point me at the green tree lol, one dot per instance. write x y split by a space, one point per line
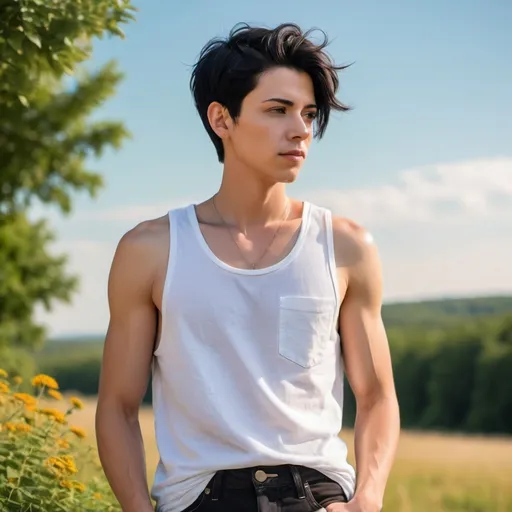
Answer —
412 365
47 139
492 398
452 378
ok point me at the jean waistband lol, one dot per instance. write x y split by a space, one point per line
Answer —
264 476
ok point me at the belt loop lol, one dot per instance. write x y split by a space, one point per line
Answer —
297 479
217 485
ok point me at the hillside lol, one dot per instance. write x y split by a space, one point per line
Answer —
452 360
443 312
426 314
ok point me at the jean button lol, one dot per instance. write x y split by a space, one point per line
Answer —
260 476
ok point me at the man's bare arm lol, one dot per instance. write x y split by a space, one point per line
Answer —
126 369
368 365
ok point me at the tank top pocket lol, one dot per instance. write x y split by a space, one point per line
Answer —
305 326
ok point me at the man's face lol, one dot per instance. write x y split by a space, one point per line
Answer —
276 119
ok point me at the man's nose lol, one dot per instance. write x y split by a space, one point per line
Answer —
300 130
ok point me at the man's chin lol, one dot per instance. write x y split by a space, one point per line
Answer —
282 175
288 175
291 176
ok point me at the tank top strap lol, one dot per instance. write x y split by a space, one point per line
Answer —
323 216
176 216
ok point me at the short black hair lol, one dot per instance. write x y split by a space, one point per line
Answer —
228 69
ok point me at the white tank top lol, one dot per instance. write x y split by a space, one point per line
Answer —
248 370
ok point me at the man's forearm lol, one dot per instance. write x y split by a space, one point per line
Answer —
121 451
377 430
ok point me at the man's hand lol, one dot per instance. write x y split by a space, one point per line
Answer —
357 504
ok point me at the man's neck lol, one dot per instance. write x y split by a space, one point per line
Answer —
244 200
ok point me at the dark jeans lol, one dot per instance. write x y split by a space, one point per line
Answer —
284 488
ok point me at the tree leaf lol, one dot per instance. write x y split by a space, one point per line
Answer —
12 473
34 38
23 100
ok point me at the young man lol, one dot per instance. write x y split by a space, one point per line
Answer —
249 308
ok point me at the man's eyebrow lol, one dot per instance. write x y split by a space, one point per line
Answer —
288 103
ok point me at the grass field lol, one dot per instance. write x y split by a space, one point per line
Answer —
432 473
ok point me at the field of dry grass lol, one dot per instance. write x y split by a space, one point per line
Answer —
432 473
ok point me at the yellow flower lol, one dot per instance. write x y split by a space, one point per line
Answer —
69 463
76 402
20 427
79 432
55 465
79 486
55 414
54 394
17 380
27 399
29 409
43 380
62 443
3 373
97 496
4 388
61 465
73 484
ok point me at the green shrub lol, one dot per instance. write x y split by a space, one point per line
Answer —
45 465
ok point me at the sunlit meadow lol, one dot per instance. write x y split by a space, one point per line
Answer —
48 460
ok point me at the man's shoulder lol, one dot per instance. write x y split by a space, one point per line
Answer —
348 232
147 232
144 241
353 242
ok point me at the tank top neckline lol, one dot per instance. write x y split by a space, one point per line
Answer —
191 212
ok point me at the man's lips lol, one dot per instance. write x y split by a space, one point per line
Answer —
294 154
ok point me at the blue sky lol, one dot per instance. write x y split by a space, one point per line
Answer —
424 160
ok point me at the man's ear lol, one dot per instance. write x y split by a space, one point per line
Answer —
219 119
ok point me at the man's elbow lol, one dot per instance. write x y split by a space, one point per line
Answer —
377 393
113 410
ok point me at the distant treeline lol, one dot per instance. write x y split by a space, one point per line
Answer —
452 364
458 378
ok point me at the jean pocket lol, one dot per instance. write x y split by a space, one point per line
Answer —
305 325
313 503
324 492
195 506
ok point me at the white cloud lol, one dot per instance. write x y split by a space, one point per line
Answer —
447 192
88 311
135 213
442 230
447 265
451 192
